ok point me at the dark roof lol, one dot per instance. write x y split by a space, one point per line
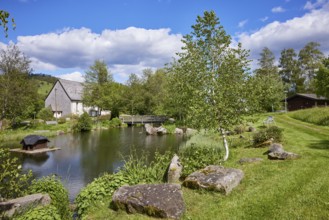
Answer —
33 139
309 96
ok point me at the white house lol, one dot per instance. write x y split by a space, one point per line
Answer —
65 98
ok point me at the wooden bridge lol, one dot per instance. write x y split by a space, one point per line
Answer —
142 119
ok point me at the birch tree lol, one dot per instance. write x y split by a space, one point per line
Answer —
212 76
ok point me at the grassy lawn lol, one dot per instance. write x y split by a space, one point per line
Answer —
295 189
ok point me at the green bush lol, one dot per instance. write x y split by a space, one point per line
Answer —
195 157
46 114
84 123
140 170
266 134
13 182
57 192
115 122
98 190
41 213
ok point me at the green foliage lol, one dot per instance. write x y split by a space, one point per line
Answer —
49 212
266 134
210 76
322 79
317 116
115 122
170 128
13 182
140 170
197 157
4 16
84 123
46 114
57 192
98 190
18 94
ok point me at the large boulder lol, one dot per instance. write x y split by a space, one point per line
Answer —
276 152
19 205
174 170
215 178
150 130
158 200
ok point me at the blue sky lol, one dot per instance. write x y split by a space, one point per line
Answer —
64 37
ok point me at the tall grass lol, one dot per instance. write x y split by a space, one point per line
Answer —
317 116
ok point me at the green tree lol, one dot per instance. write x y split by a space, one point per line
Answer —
290 71
97 83
266 63
18 94
310 61
322 79
4 17
267 85
212 75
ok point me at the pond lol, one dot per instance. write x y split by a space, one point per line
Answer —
85 156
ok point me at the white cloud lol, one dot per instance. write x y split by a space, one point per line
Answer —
294 33
75 76
264 19
79 48
242 23
278 9
311 6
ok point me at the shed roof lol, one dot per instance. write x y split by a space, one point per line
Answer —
73 89
33 139
309 96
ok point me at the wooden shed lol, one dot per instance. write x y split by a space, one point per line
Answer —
303 101
33 142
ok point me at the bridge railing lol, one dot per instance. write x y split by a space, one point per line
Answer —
142 119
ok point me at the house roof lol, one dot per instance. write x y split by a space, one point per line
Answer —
73 89
309 96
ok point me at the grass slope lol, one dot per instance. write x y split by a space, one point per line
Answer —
295 189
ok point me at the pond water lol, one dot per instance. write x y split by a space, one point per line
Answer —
85 156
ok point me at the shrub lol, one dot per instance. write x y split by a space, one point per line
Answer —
115 122
41 213
98 190
57 192
239 129
46 114
266 134
197 157
13 182
84 123
61 120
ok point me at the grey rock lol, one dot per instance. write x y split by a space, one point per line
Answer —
174 171
158 200
19 205
150 130
161 130
215 178
250 160
276 152
179 131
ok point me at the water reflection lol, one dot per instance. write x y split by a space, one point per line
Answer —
86 156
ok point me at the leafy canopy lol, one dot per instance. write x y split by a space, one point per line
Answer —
210 75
